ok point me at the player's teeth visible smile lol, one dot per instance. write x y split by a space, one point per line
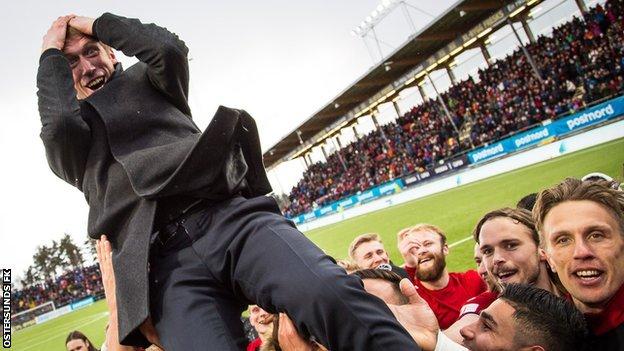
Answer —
588 273
95 83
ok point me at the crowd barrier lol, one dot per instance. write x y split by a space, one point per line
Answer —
64 310
389 188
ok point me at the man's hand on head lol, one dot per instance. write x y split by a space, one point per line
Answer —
55 37
82 24
410 258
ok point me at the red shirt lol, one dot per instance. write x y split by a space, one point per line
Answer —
447 302
610 318
254 345
478 303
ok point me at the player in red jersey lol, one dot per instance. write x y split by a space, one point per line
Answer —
509 244
424 250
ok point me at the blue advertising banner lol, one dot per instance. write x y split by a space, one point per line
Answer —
369 195
82 303
596 114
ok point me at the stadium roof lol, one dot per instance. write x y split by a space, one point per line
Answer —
458 25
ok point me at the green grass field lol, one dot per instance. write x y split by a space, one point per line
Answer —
456 211
50 336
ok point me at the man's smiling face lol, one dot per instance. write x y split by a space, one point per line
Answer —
585 246
92 64
509 252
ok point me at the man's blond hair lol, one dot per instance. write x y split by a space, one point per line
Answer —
422 227
361 239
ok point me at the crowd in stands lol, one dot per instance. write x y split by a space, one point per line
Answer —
68 287
581 62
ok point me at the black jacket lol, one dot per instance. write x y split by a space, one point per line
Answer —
133 143
612 340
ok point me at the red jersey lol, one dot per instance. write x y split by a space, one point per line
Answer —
447 302
610 318
478 303
254 345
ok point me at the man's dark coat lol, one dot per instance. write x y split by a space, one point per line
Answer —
133 142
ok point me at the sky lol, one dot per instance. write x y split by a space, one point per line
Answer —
281 60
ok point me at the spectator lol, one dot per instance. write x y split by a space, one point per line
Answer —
77 341
71 286
581 224
368 252
424 251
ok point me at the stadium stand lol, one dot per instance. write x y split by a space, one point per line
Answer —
68 287
581 62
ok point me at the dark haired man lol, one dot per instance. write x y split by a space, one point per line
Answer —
523 318
527 202
509 243
382 283
182 202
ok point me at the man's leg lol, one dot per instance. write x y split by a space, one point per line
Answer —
260 256
189 309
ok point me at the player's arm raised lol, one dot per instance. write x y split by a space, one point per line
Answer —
163 52
66 136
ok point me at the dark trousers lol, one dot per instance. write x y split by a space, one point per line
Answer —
242 251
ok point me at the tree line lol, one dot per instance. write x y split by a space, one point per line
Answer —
54 259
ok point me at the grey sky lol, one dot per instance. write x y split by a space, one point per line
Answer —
280 60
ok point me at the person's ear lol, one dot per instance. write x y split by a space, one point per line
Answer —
533 348
542 255
111 54
551 264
